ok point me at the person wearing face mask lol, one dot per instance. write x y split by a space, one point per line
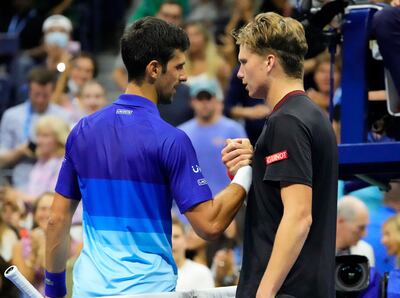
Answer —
57 30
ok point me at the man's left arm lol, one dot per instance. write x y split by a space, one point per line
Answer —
290 237
57 244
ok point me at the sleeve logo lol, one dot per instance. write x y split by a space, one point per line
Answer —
196 169
201 182
276 157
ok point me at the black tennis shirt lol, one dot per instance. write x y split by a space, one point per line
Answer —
297 145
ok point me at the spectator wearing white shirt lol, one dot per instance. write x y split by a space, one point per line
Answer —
191 275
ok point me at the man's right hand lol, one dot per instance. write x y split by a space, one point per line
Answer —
236 154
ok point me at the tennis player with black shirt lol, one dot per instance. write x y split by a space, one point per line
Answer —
289 244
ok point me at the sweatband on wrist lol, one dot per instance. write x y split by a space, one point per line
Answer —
54 284
243 177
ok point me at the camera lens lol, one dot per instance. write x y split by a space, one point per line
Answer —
350 275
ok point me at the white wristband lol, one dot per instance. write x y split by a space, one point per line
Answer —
243 177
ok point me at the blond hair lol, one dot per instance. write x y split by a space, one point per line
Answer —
393 225
59 128
213 59
271 33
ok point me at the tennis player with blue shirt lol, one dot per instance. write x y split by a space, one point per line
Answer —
127 165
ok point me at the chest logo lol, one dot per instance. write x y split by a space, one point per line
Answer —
276 157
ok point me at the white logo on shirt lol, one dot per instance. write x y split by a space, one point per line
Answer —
196 169
124 112
201 182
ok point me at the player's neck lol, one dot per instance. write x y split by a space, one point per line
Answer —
280 87
144 90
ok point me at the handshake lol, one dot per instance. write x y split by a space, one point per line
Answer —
237 156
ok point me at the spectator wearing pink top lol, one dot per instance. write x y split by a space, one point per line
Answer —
51 136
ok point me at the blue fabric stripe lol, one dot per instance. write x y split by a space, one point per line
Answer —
141 225
128 241
125 199
116 263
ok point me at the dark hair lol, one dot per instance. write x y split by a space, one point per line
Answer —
86 55
150 39
41 75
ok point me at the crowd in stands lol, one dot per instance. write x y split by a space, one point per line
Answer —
49 84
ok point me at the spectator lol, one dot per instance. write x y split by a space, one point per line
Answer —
7 240
28 253
352 220
243 12
391 237
208 131
203 60
320 95
18 123
79 70
386 208
57 30
90 98
150 8
191 275
51 136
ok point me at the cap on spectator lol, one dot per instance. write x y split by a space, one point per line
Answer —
57 20
209 86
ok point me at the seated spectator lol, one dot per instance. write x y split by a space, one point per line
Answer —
203 60
385 208
28 253
79 70
391 237
18 123
208 131
320 95
352 220
8 238
11 215
224 268
51 136
91 98
191 275
59 47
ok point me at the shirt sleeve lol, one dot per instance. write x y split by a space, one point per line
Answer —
67 183
289 156
186 181
7 139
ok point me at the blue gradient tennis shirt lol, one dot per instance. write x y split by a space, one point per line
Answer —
127 164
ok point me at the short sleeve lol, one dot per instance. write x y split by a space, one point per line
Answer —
186 181
67 183
7 140
289 151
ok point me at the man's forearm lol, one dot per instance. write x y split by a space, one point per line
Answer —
11 157
57 243
288 243
227 204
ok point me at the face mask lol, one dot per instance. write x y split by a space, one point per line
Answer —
57 38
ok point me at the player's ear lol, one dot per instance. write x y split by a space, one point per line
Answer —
154 69
270 61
